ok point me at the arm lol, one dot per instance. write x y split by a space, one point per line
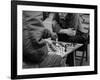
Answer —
37 32
57 28
69 32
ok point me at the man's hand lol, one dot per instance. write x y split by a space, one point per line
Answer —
51 46
46 34
69 31
54 36
49 41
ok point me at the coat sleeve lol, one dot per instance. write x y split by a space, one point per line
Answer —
37 32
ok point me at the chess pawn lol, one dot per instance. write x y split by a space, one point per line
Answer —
57 42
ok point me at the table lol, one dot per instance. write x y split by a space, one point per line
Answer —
63 49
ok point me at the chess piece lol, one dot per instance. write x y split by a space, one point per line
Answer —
57 42
65 47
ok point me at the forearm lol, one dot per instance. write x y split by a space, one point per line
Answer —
63 31
41 42
68 32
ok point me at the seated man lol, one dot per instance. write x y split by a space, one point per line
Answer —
70 28
35 51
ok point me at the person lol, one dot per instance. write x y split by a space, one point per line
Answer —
65 25
69 28
35 52
48 23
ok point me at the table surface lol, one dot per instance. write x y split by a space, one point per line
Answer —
59 48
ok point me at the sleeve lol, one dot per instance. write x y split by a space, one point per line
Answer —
38 33
56 27
76 21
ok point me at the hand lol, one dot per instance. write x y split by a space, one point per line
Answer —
49 41
50 44
54 36
69 31
46 34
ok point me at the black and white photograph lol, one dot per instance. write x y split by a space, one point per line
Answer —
53 39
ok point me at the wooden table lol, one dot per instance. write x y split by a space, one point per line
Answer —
59 49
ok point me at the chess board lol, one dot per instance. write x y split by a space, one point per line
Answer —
62 48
